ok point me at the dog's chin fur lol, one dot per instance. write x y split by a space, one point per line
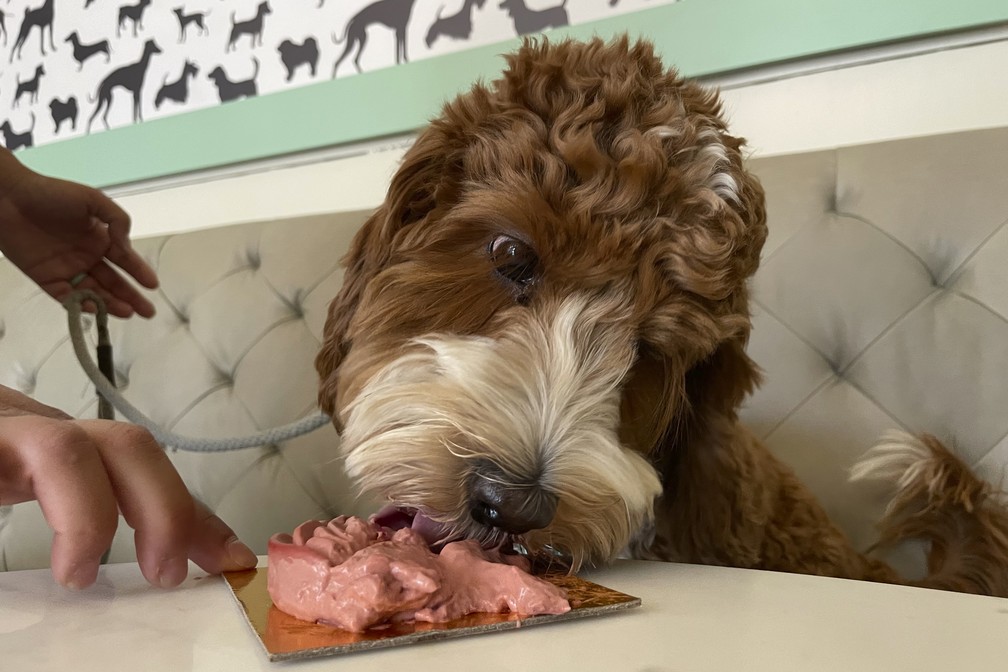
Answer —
540 399
608 371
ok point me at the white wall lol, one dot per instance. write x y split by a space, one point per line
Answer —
939 92
945 90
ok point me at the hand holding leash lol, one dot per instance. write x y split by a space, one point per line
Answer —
64 235
83 473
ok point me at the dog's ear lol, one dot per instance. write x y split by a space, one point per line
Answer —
361 264
660 409
650 402
423 185
750 206
718 385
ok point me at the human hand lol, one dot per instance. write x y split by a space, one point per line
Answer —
84 472
55 231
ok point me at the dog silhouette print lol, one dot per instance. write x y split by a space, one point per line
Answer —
294 55
130 77
82 52
40 17
63 111
134 13
14 140
228 90
177 91
535 20
252 27
29 86
457 26
394 14
196 18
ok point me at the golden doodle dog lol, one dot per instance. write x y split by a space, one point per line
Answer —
541 336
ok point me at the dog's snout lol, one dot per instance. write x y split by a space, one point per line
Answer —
516 509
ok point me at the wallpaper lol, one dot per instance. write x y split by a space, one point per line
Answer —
85 66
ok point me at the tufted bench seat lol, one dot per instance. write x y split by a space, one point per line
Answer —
881 302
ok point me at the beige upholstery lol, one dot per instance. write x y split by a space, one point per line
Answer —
881 303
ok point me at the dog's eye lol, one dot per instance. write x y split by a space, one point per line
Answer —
513 260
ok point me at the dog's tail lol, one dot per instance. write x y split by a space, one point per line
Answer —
940 500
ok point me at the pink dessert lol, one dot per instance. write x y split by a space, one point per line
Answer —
354 574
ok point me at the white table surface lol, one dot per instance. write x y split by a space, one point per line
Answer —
692 618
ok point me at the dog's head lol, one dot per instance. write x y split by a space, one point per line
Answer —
551 297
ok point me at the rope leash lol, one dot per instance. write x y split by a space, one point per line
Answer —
108 394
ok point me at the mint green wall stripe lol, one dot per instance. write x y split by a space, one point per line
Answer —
699 36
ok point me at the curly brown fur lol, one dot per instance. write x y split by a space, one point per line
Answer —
551 307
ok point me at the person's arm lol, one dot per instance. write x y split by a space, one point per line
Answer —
58 231
83 473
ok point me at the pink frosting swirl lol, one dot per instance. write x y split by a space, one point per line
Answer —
354 574
338 539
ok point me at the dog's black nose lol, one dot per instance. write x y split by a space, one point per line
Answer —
513 508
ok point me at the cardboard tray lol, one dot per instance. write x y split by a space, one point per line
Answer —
287 638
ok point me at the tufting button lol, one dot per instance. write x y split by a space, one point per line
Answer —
834 368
